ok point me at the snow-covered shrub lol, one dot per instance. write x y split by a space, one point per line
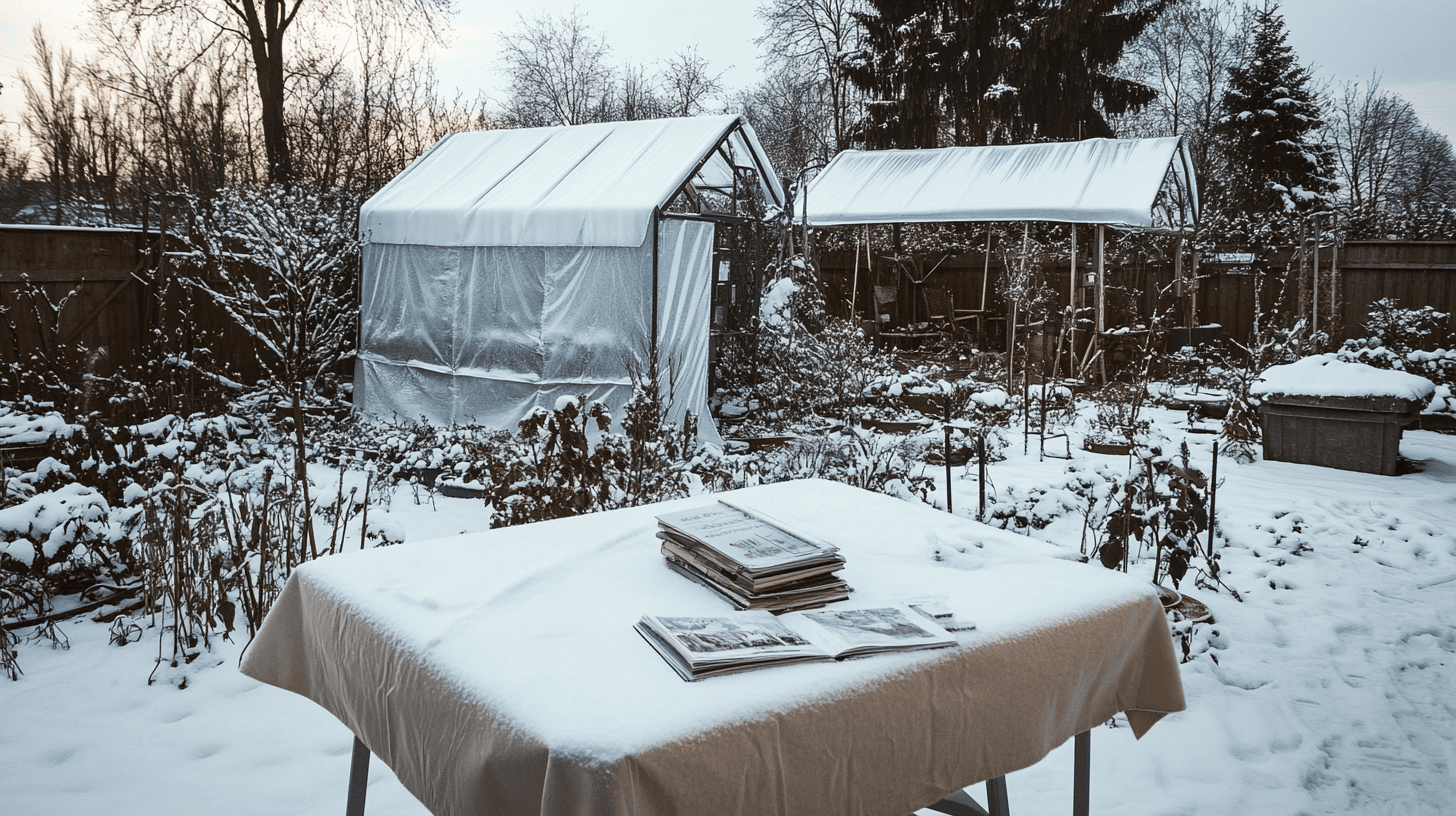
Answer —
283 264
567 461
1411 340
809 361
884 463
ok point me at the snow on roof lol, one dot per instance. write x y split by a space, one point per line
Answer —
582 185
1324 375
1142 183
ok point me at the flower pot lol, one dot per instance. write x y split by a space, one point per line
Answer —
1108 448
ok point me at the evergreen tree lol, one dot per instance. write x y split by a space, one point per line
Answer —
900 71
1061 63
995 71
1271 116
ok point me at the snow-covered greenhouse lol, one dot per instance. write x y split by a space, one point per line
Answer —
508 269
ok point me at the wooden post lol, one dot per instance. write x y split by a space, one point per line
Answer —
1314 297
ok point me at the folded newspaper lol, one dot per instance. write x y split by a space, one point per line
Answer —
709 645
752 560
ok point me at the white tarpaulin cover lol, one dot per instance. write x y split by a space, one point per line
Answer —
504 270
586 185
1143 183
484 334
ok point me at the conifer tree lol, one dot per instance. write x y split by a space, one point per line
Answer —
899 70
995 71
1271 118
1061 68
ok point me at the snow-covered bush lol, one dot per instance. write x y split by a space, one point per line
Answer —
809 361
884 463
1411 340
283 264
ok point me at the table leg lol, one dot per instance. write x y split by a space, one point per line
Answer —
996 801
959 803
1082 774
358 779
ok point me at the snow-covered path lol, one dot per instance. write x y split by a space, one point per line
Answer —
1333 690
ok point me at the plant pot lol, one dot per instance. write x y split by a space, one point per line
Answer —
755 444
895 426
1169 597
460 490
1193 610
1108 448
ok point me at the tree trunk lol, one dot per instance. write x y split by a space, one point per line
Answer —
265 37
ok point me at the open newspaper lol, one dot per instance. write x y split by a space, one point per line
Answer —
709 645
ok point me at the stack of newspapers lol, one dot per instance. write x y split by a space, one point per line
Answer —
751 559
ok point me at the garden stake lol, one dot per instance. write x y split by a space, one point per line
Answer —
948 507
1025 412
1212 498
364 514
981 462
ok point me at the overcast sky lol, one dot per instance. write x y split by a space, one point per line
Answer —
1409 42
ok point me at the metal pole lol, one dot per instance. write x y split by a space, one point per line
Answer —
949 508
1212 498
1082 774
996 800
656 226
981 460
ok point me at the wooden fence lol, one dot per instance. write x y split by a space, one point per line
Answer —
70 292
1414 273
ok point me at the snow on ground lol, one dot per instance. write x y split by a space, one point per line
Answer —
1333 690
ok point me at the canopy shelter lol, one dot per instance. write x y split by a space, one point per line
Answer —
1140 184
1133 183
504 270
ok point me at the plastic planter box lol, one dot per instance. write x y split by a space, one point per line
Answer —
1348 433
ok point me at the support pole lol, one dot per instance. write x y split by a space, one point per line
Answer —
358 779
1314 297
981 480
1212 499
1182 284
656 227
949 508
1101 294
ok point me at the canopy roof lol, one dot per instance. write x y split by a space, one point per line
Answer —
1139 183
582 185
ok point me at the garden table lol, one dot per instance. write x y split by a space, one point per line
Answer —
499 673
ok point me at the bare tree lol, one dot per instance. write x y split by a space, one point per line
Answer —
264 27
687 82
50 116
559 72
792 113
1374 134
638 96
812 36
1427 179
1185 55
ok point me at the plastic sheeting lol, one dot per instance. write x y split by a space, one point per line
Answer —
483 334
585 185
1141 183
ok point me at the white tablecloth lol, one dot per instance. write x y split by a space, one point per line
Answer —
498 673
